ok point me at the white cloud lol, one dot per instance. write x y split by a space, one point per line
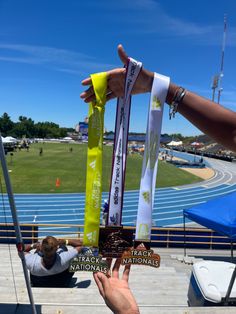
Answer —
151 18
20 60
54 58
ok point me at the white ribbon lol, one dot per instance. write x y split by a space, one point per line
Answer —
120 145
150 161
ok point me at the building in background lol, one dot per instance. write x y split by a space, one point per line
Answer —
82 129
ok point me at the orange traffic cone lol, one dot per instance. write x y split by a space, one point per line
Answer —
58 183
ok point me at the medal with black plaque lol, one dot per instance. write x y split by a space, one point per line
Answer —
141 254
114 239
90 259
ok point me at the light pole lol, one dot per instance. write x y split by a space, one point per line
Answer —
214 86
220 89
217 79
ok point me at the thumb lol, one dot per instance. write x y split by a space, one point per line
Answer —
122 54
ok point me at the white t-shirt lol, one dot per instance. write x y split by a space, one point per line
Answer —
63 258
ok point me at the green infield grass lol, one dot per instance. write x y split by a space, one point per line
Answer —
31 172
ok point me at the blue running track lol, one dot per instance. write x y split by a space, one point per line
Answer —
168 206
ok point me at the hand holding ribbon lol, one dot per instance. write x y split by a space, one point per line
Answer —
150 161
116 81
94 160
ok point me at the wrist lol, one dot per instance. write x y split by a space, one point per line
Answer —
171 93
34 245
146 80
149 80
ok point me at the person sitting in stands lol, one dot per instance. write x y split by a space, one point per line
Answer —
49 264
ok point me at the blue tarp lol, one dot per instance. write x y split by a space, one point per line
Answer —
218 214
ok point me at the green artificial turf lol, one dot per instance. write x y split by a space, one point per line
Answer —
32 173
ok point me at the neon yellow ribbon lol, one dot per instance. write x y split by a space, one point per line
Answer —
94 161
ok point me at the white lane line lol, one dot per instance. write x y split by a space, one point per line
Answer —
230 177
217 180
47 201
170 218
81 196
157 213
164 191
21 211
158 204
46 205
157 220
219 177
216 173
44 215
128 199
56 221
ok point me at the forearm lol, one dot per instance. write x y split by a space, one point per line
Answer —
71 242
75 242
211 118
29 247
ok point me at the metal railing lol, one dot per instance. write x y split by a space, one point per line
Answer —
160 236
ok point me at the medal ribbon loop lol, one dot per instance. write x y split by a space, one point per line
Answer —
150 161
120 145
94 161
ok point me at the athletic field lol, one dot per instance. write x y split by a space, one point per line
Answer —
65 164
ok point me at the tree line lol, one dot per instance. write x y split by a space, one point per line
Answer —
26 127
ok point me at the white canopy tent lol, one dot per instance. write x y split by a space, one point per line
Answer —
174 143
67 138
197 144
5 140
11 139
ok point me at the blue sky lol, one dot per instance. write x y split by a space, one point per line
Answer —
48 47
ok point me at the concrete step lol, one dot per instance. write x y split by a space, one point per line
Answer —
163 290
102 309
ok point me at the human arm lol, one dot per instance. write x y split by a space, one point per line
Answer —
34 246
211 118
115 291
75 243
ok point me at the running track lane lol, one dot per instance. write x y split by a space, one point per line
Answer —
168 205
